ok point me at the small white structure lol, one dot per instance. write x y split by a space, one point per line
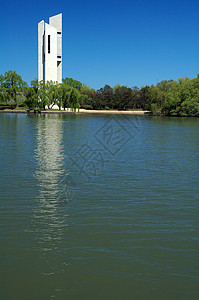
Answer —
50 49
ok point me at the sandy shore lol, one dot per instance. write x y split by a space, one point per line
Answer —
125 112
81 111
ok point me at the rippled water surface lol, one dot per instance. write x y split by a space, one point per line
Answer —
99 207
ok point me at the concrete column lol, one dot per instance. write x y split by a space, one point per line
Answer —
41 62
50 49
50 53
56 21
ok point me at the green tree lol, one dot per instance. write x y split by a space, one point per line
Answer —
31 98
66 90
74 99
123 98
88 97
14 85
35 84
43 99
51 94
3 91
59 95
72 83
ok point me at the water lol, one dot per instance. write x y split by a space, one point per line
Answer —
99 207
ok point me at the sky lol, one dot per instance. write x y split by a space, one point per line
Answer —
133 43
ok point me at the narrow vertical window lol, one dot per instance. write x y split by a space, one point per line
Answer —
48 43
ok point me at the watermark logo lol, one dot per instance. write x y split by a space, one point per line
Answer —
91 159
68 190
88 161
113 136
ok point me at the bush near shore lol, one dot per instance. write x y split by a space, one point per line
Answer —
168 97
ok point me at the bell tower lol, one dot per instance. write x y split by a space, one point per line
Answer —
50 49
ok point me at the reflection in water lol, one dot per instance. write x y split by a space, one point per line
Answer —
50 219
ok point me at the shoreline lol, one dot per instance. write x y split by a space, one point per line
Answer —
124 112
81 111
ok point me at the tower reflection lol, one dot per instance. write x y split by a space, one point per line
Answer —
50 217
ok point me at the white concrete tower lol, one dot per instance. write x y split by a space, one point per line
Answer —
50 49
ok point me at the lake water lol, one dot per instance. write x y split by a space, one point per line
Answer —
96 207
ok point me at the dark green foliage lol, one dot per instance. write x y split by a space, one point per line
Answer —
87 106
123 98
31 98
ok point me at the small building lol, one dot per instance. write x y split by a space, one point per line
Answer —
50 49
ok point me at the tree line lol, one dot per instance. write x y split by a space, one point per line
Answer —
168 97
40 95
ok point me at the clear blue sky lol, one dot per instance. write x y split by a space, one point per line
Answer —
106 42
